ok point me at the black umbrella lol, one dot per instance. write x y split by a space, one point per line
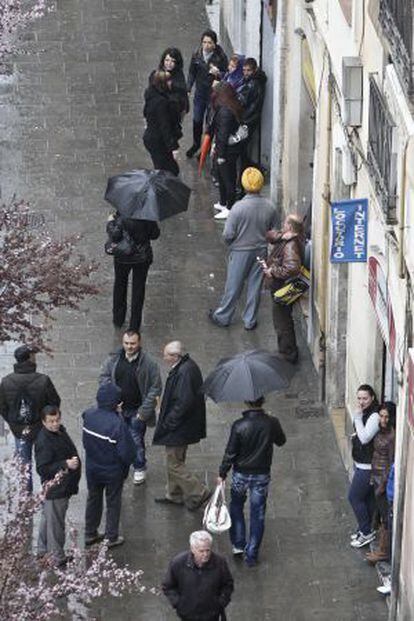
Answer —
147 194
248 376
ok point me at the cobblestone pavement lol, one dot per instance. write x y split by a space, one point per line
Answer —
70 117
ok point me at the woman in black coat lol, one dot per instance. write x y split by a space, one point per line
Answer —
163 130
136 255
226 121
172 62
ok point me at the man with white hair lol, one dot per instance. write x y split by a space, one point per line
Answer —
198 582
182 421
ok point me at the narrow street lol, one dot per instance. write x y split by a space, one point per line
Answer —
71 117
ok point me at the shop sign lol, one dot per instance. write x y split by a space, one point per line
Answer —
349 231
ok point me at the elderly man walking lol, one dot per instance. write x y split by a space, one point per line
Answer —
198 582
245 233
182 421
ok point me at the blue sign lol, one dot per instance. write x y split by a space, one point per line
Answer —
349 231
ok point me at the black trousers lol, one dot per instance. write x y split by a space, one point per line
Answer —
162 159
139 278
94 509
227 178
285 330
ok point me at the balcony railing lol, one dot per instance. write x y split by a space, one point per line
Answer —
396 18
382 159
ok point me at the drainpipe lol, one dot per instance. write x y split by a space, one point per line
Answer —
401 263
326 198
279 87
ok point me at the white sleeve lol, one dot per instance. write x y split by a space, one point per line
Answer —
369 431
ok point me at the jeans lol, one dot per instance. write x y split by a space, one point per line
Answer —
137 429
94 509
200 106
24 451
362 499
139 278
242 267
257 485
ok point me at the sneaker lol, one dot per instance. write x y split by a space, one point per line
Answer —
363 540
139 477
355 535
385 588
222 215
237 551
89 541
116 542
219 206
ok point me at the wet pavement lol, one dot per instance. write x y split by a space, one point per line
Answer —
70 117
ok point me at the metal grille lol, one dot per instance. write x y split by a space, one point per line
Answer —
381 158
396 18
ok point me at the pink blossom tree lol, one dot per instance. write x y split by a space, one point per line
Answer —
38 274
15 15
33 590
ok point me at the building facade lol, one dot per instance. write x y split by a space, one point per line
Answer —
339 113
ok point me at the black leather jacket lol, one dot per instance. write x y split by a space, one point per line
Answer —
250 446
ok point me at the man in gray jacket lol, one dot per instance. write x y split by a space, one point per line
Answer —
245 233
138 376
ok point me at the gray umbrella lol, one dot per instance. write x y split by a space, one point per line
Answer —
147 194
248 376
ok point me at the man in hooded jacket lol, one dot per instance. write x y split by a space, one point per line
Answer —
110 451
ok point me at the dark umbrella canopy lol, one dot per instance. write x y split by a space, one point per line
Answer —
248 376
147 194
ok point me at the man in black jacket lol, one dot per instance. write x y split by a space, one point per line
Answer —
198 582
208 63
182 421
55 453
23 394
251 94
249 451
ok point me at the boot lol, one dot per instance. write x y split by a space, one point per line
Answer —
197 133
382 551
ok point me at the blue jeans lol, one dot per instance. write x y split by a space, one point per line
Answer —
24 451
257 485
362 499
200 106
137 429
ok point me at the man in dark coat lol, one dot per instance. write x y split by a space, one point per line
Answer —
139 378
249 452
55 453
251 94
208 63
198 582
182 421
110 451
23 394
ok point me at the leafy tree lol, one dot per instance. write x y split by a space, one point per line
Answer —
38 274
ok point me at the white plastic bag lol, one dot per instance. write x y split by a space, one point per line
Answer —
216 515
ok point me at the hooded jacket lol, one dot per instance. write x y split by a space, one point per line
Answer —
251 95
108 444
37 386
162 130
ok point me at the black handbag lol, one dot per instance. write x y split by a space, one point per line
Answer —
124 246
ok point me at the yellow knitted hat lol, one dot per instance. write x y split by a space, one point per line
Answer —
252 180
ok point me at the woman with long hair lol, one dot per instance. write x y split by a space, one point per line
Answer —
162 131
172 62
382 460
226 121
361 492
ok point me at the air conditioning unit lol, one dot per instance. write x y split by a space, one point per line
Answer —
352 80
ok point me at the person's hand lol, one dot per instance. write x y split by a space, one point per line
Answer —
175 154
73 463
221 160
220 481
214 70
119 407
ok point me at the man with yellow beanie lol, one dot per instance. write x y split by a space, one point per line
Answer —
245 234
